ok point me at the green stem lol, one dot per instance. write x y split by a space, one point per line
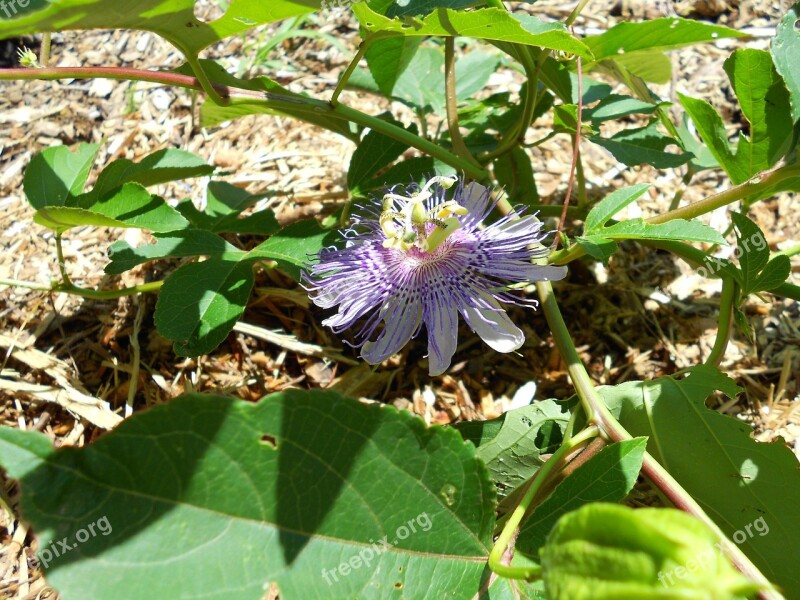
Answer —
575 12
612 429
362 50
755 186
415 141
44 53
789 251
725 320
62 266
275 101
543 475
451 101
205 83
69 288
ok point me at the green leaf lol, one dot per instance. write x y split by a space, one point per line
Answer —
56 174
487 23
611 205
375 152
774 274
173 20
421 85
413 8
598 247
605 551
514 172
643 145
388 58
295 246
311 482
650 65
677 229
200 302
224 205
785 48
512 445
62 218
753 250
607 477
134 206
655 34
165 165
178 244
735 479
765 104
616 106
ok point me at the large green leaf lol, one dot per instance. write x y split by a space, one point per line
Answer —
512 445
655 34
173 20
764 101
56 175
606 477
491 24
785 50
642 145
323 496
765 104
388 58
736 480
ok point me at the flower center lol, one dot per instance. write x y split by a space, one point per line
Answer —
415 227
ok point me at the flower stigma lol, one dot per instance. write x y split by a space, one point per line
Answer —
414 225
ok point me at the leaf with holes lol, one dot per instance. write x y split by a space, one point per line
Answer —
311 485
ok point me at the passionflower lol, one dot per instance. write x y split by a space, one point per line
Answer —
420 257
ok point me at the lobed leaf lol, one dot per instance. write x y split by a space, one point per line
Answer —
785 49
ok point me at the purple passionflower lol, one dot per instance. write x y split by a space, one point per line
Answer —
422 258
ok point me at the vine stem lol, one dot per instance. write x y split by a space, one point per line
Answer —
756 185
272 100
451 101
543 475
725 320
608 425
69 288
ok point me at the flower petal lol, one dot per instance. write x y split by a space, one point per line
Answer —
494 327
441 320
401 321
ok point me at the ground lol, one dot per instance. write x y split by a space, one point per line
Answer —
73 367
